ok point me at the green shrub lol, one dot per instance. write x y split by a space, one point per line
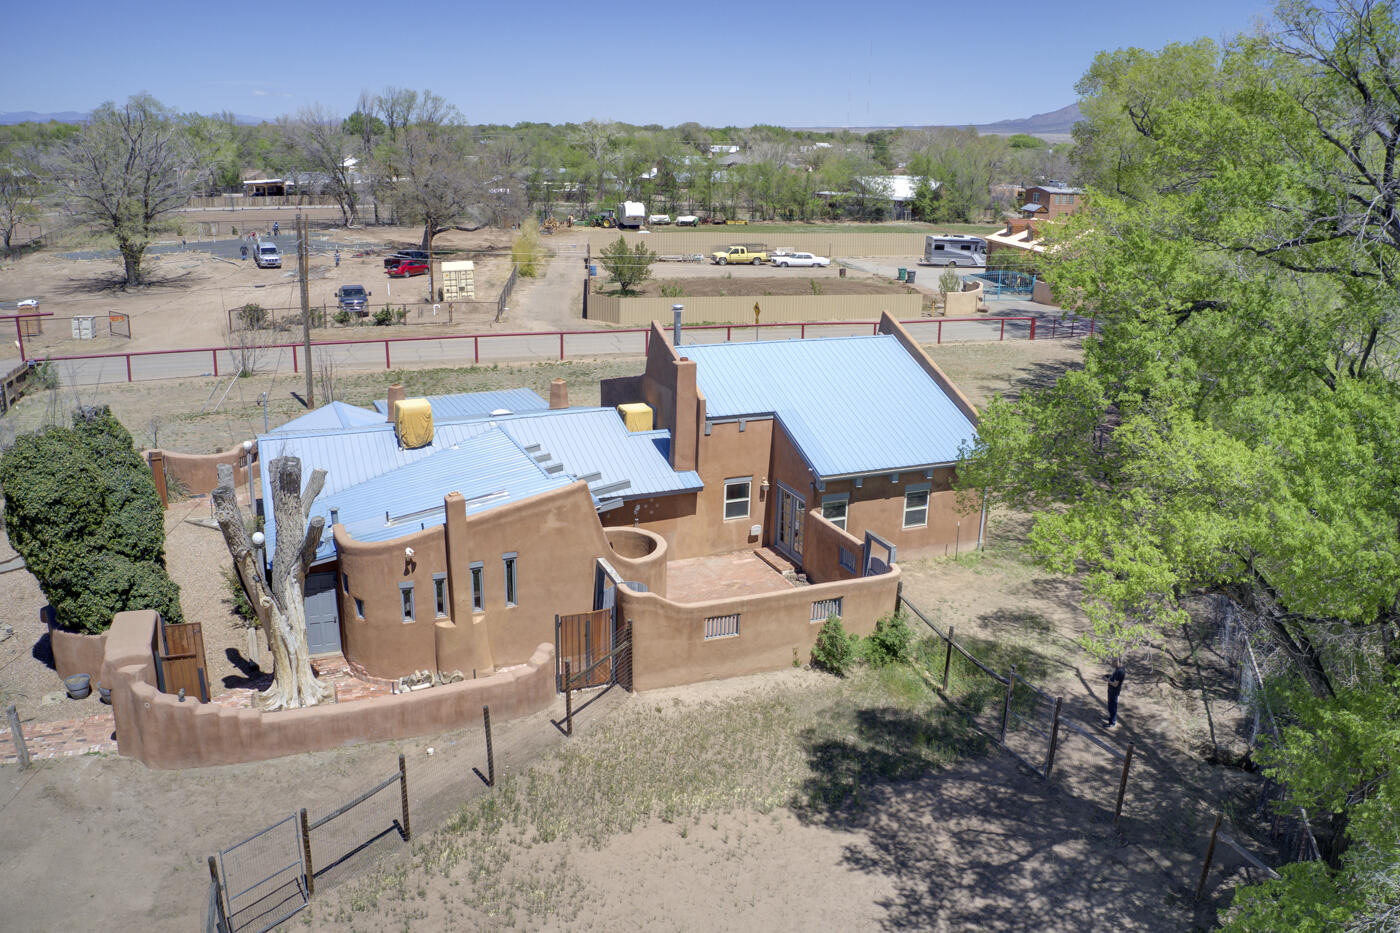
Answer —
890 642
835 650
82 509
239 599
383 317
252 316
342 317
526 252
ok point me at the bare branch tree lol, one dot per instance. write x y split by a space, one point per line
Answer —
327 152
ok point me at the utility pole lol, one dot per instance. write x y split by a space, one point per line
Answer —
432 285
303 254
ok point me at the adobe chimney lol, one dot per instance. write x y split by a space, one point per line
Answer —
558 394
395 395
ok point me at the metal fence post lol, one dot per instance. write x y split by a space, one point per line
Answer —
1210 855
568 700
1006 705
306 853
218 895
1054 737
16 733
403 798
1123 784
948 659
490 755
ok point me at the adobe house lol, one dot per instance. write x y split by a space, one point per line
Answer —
772 488
1049 202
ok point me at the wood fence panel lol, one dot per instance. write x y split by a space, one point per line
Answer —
181 657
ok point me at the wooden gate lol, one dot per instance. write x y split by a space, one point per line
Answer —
584 639
180 660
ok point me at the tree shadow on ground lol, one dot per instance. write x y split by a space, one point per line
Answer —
1039 376
249 674
114 281
970 840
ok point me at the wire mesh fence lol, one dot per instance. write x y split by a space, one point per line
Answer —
264 877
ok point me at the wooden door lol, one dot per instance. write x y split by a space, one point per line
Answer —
585 641
180 660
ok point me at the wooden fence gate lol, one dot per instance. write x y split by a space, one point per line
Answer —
180 660
585 640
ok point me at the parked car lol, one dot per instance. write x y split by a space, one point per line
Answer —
687 220
352 298
419 255
659 219
409 267
801 259
738 254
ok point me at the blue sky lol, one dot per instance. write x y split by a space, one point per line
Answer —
790 63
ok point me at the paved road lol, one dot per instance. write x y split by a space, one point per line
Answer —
224 249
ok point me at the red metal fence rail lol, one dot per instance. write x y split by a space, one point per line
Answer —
528 345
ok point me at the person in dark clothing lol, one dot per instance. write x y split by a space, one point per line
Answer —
276 228
244 250
1115 687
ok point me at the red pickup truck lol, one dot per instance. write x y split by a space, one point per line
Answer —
408 267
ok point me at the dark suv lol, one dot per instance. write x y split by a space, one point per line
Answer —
410 255
352 298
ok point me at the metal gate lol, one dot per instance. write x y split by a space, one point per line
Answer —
582 640
264 877
119 324
322 614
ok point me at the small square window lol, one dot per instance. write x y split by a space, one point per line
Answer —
834 509
440 594
916 507
406 594
736 497
509 560
478 594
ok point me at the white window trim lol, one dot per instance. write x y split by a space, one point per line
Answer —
925 488
747 500
845 499
412 614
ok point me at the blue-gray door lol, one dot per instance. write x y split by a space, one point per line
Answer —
322 614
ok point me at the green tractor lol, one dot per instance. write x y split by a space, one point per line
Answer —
607 219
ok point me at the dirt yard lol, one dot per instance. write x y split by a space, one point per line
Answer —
784 801
766 282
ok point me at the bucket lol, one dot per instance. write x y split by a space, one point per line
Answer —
910 277
78 686
902 273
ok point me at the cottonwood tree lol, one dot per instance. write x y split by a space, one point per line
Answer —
19 188
629 266
126 171
280 603
1236 427
324 149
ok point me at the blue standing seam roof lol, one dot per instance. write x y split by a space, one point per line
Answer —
852 405
476 404
329 417
367 465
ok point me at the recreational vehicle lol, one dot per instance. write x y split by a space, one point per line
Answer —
957 249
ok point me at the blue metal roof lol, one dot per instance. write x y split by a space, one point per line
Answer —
594 440
489 470
368 474
851 404
476 404
334 415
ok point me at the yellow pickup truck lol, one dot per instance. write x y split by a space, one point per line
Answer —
738 254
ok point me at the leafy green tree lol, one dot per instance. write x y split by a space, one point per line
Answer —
628 266
82 509
1235 428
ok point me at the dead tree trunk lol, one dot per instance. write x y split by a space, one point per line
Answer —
280 608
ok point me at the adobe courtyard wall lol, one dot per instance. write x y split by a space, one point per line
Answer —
197 474
74 652
163 732
668 638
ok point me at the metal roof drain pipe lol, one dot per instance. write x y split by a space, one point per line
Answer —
676 324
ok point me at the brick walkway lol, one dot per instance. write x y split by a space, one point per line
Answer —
70 737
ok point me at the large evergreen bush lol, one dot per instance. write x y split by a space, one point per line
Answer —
82 510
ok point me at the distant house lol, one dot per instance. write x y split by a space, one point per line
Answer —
1048 202
265 187
897 190
724 149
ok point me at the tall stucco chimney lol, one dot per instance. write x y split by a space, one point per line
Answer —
558 394
395 395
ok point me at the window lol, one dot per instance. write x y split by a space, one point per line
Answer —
359 608
510 577
916 506
823 609
440 594
345 581
736 497
722 626
478 597
834 509
406 594
847 559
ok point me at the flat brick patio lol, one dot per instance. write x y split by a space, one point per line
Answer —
740 573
